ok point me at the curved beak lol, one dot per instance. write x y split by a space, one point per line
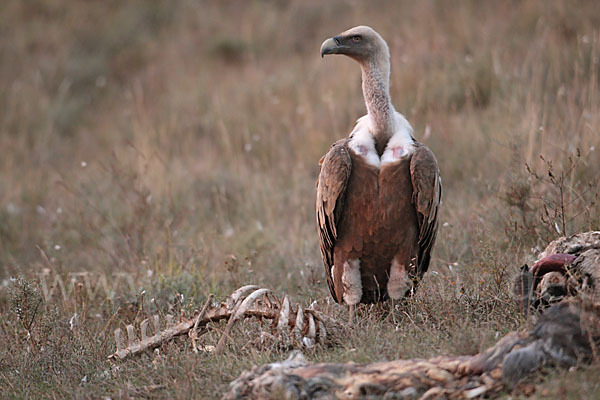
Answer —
331 46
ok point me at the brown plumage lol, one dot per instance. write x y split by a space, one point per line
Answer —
378 191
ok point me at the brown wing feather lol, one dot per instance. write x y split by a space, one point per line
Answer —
331 190
427 196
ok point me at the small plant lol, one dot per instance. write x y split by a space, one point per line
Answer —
27 303
561 200
566 199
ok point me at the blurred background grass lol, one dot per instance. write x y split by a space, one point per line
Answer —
178 141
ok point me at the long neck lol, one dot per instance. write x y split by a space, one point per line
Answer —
375 85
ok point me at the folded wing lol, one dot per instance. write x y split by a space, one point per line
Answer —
336 166
427 196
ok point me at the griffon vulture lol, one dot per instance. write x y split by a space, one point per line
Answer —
378 191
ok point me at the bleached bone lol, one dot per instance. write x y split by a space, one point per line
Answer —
286 319
284 315
299 323
239 293
309 340
131 338
312 331
239 310
144 329
241 306
248 302
193 333
135 346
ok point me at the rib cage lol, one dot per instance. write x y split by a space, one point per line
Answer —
290 323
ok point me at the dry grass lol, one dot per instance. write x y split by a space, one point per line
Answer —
178 142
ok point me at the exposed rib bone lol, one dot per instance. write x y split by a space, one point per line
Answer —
312 332
239 293
284 315
144 329
223 340
132 339
299 323
253 305
248 302
193 333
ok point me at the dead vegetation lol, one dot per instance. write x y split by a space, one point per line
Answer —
567 333
177 143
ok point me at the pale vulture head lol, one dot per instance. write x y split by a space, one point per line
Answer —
361 43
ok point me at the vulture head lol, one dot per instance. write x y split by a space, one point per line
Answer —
361 43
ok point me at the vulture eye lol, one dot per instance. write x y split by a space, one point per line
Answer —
356 39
